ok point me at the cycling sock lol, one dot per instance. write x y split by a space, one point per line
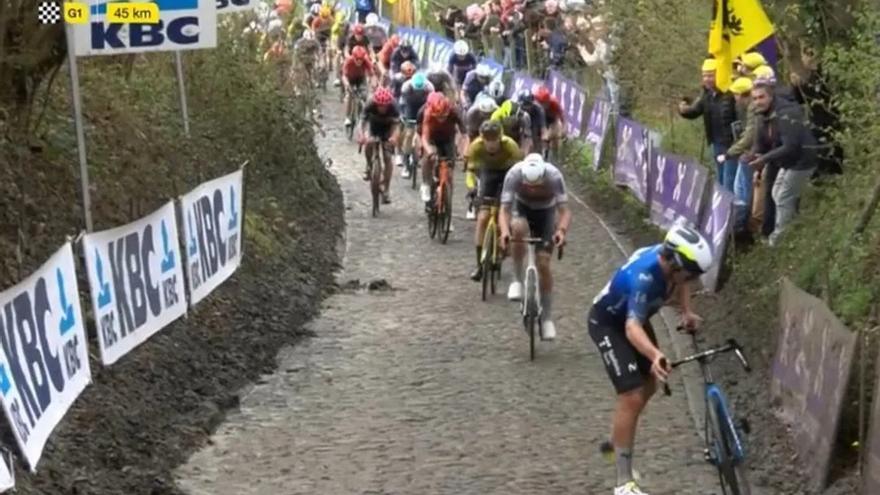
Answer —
624 465
479 255
547 306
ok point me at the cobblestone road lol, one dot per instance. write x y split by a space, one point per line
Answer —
425 389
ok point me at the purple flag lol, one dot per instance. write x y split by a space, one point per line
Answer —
631 165
521 80
677 190
715 228
769 50
572 98
597 128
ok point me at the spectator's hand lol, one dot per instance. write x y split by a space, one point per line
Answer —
795 79
757 163
721 158
682 106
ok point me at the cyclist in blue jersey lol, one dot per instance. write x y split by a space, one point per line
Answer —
461 61
619 325
475 81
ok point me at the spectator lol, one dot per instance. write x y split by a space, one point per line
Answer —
718 110
763 219
597 53
449 19
812 90
744 133
783 140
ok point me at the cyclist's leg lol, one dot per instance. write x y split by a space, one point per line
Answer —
389 166
630 373
368 154
519 230
349 101
542 224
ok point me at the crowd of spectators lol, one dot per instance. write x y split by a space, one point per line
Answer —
768 139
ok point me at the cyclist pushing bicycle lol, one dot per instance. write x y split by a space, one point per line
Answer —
490 155
534 203
619 324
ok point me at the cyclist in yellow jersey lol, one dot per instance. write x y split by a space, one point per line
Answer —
491 155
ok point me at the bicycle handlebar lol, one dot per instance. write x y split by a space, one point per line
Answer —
538 240
731 345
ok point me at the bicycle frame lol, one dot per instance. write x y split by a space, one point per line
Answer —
492 227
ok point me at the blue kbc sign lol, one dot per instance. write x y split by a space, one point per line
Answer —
183 25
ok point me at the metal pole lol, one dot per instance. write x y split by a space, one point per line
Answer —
78 125
181 87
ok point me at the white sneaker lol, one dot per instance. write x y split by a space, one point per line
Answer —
515 291
471 214
398 160
630 488
348 122
548 330
404 173
337 82
425 192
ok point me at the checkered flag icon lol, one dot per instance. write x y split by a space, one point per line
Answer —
49 12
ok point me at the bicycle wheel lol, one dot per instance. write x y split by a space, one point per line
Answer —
411 163
486 261
433 219
447 214
376 179
529 322
722 444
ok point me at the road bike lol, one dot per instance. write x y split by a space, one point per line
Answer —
490 258
410 160
440 213
723 434
531 309
377 172
360 100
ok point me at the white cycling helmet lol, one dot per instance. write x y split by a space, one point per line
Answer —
461 48
315 9
495 89
484 70
688 249
308 35
534 169
486 105
372 19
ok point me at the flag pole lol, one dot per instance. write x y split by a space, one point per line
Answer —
78 125
181 87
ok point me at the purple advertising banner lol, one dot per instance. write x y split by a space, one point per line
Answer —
573 100
715 227
597 128
677 190
631 165
809 377
521 80
871 476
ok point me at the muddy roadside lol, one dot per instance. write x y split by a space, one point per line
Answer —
144 416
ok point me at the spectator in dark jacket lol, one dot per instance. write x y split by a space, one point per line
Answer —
784 141
718 110
813 91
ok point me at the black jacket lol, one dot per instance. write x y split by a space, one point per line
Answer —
718 111
783 137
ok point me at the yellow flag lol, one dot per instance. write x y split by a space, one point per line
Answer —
737 26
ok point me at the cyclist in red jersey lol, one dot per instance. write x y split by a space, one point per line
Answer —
385 53
554 122
356 71
439 124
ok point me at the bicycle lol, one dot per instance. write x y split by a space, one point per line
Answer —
410 161
530 307
440 214
359 102
491 254
722 433
377 175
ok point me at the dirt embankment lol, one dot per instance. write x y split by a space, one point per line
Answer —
145 414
